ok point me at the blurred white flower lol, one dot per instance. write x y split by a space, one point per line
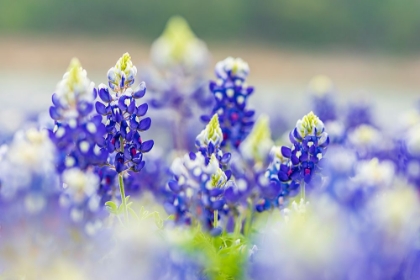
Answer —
80 184
375 173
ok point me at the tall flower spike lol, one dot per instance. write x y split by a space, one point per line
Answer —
123 74
125 119
309 145
258 144
78 135
74 94
299 165
231 93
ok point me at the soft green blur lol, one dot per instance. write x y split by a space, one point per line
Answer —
356 24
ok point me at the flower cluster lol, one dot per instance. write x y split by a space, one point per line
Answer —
199 181
231 94
124 118
78 134
63 190
309 142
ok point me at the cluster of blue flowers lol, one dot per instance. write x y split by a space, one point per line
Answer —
229 202
231 94
78 134
124 118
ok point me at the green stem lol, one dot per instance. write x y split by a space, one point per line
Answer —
248 218
238 225
122 191
215 218
302 192
121 184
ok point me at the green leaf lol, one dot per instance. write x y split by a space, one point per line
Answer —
111 207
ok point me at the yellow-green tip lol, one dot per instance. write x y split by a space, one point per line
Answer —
321 84
178 34
261 129
124 62
214 131
74 72
308 123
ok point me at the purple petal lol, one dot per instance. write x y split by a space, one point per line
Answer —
147 146
144 124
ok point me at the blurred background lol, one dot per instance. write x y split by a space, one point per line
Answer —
370 49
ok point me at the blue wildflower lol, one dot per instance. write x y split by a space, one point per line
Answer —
297 166
309 142
78 133
321 89
358 114
124 118
199 181
231 94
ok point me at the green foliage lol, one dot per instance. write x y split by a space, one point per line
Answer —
225 255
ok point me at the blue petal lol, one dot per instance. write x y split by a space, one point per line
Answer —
286 152
100 108
104 95
141 91
54 113
142 109
144 124
147 146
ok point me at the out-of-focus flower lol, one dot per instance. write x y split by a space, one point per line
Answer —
373 173
358 114
321 89
77 135
365 139
179 47
74 94
28 164
257 146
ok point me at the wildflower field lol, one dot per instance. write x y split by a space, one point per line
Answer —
166 173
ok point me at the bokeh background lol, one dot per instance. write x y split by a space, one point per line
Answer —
370 49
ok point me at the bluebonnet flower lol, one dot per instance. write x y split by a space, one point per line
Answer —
321 89
124 118
178 49
271 190
78 134
27 169
199 181
231 94
249 166
298 166
82 199
177 81
209 142
366 140
309 142
410 154
358 114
